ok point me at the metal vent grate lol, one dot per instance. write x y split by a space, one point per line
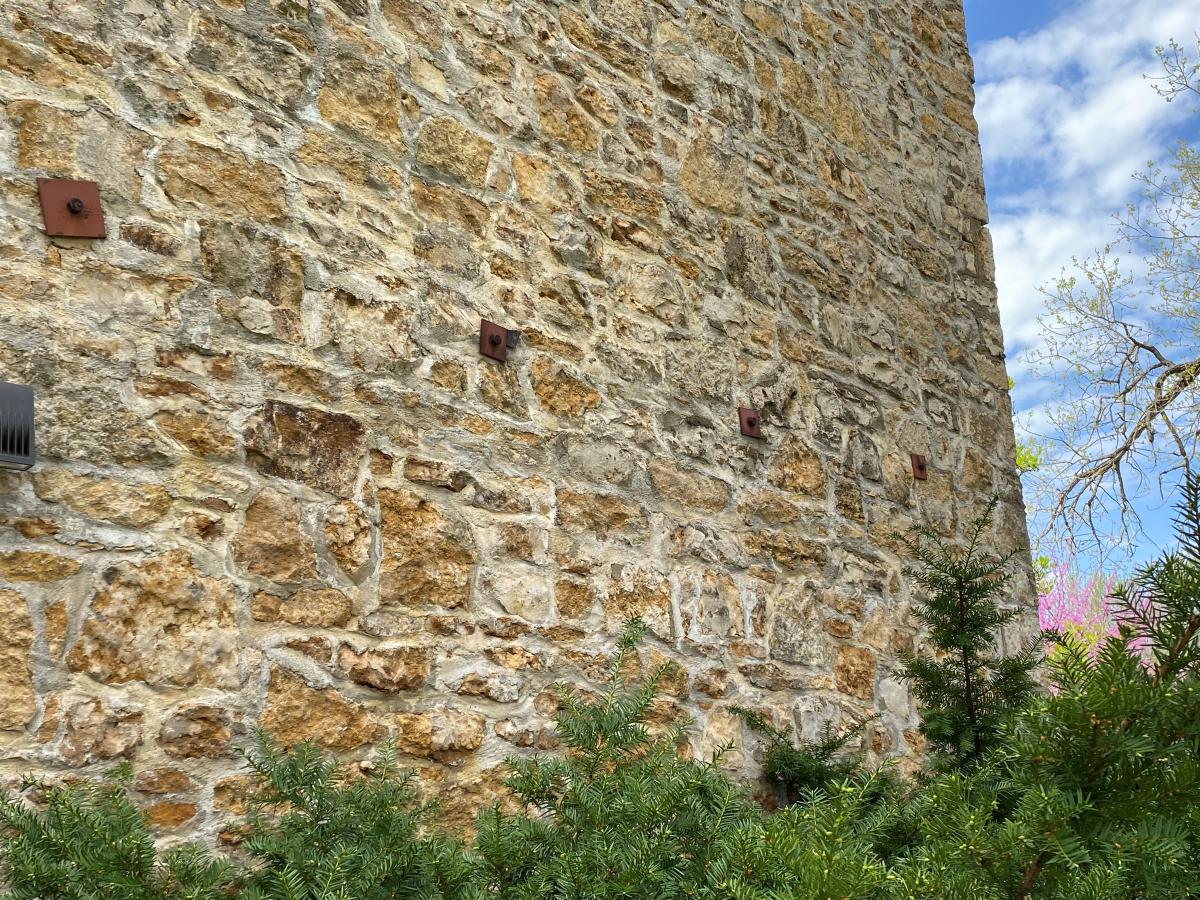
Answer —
16 426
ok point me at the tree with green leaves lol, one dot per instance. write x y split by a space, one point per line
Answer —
965 690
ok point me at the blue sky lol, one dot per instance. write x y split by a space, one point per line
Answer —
1066 117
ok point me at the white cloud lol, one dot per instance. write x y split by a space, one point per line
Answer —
1066 117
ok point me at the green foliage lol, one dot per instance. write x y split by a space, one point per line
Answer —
801 766
88 840
966 692
625 814
622 813
317 834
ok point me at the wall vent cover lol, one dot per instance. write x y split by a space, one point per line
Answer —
16 426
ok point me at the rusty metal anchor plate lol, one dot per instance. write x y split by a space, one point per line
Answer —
71 208
750 421
493 341
920 467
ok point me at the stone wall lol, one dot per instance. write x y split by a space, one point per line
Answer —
278 483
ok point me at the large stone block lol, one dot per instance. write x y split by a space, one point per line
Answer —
160 622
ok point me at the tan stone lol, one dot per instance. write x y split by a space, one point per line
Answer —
317 608
95 731
409 19
161 622
169 813
222 182
439 731
453 149
271 544
561 116
296 712
348 537
561 393
428 553
715 37
790 551
198 432
390 669
36 565
134 505
363 98
513 657
16 678
574 599
713 178
798 469
528 736
445 204
164 780
197 731
600 514
688 487
643 594
323 150
623 196
317 447
854 672
232 794
540 183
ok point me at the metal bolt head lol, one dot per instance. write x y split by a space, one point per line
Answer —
75 205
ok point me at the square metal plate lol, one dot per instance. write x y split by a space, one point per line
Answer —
493 341
750 422
71 208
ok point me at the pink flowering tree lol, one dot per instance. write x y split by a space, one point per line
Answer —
1078 606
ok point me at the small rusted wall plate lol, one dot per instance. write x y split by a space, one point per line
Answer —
920 467
493 341
750 421
71 208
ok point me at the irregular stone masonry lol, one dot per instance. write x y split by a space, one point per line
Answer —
280 486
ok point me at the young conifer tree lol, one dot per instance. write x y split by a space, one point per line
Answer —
965 690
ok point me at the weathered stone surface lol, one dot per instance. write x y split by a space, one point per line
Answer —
798 469
855 672
438 732
16 677
428 554
562 118
389 669
688 487
199 731
104 498
314 446
644 594
161 622
713 178
348 536
224 182
296 712
272 362
94 731
163 780
271 544
170 813
36 565
446 145
364 98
